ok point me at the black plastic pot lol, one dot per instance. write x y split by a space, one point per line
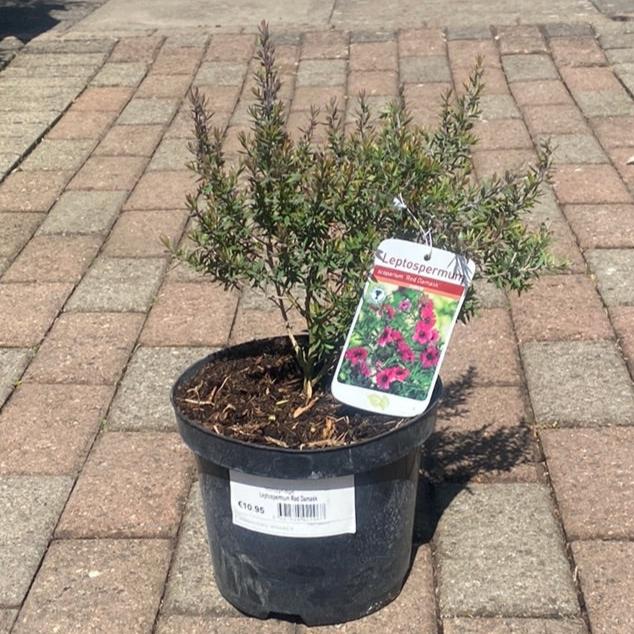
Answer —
321 580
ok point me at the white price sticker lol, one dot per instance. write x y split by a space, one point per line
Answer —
293 508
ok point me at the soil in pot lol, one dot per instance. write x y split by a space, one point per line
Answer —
259 399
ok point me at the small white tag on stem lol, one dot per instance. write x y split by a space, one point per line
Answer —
399 335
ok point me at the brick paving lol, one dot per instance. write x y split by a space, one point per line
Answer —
529 474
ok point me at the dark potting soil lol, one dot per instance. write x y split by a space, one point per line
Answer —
259 399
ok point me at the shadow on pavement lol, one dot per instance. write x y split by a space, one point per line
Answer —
26 19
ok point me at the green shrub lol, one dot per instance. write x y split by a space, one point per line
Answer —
300 219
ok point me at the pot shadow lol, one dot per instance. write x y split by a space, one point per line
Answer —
454 457
26 19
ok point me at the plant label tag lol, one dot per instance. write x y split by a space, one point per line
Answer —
399 334
293 508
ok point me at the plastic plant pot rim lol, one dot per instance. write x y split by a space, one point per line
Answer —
317 463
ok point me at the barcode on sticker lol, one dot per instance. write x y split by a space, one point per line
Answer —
293 508
301 511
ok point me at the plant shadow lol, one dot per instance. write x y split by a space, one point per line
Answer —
26 19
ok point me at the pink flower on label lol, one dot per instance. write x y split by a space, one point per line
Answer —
422 333
399 373
404 305
405 351
389 311
384 379
389 335
356 356
428 317
434 336
429 357
364 369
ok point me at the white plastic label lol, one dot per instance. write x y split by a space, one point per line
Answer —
293 508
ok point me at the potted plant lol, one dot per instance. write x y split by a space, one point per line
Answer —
310 504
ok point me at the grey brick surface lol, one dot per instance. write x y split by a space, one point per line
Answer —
431 68
143 399
29 509
314 72
120 74
16 230
171 154
514 626
186 624
147 111
59 154
118 285
13 362
7 617
499 552
605 103
613 269
529 67
576 148
84 212
498 107
567 29
578 383
191 588
220 74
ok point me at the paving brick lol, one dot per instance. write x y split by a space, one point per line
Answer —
176 61
416 42
53 259
577 51
190 315
103 98
132 485
106 585
325 45
463 53
130 140
140 233
528 67
220 74
543 313
578 383
469 32
602 226
617 40
16 230
109 173
623 322
191 588
606 572
77 124
148 111
164 86
373 56
576 148
179 624
27 311
218 98
230 47
426 96
66 155
321 72
503 134
541 93
373 83
612 268
142 401
490 162
7 618
554 119
431 68
493 81
484 350
162 190
621 157
13 362
498 107
481 436
605 103
31 191
514 626
171 154
89 349
307 96
567 29
520 40
48 429
136 49
120 74
118 285
590 79
591 471
499 552
29 508
83 212
589 184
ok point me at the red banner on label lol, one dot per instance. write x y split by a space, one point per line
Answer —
413 280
